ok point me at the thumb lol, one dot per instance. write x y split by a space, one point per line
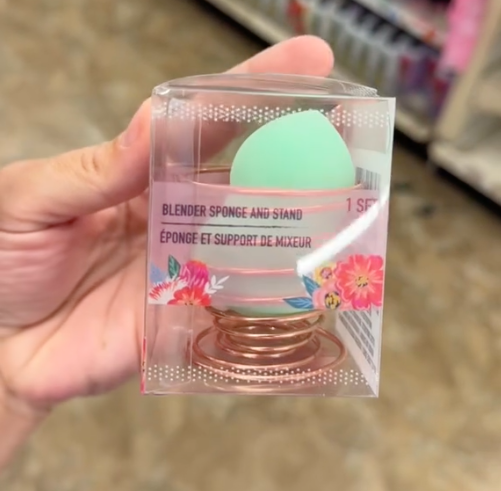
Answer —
35 194
39 193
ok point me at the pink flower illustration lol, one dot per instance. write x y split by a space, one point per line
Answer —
326 297
190 296
359 281
195 274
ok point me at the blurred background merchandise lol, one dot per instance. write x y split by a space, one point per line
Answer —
73 72
439 57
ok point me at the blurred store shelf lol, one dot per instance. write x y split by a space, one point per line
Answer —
410 124
473 115
480 167
424 24
270 31
251 19
488 99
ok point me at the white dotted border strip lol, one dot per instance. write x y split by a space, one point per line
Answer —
258 114
179 374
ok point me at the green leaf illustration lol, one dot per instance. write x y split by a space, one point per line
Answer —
174 268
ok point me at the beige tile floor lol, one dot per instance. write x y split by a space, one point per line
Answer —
72 74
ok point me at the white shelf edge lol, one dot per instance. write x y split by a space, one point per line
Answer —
419 130
272 33
479 167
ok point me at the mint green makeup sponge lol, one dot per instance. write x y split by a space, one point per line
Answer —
297 151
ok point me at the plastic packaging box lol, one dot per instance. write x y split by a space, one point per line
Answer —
266 289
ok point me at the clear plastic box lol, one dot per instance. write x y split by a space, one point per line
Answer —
266 289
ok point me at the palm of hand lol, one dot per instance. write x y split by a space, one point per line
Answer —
72 278
79 288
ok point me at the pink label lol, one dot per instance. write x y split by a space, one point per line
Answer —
212 244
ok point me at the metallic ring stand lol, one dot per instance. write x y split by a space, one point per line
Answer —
280 350
267 352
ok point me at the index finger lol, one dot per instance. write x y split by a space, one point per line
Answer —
303 55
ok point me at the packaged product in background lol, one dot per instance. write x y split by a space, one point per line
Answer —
362 40
349 17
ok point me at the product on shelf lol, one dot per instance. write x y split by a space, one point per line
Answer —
332 21
370 45
446 34
465 20
438 85
381 55
374 71
415 72
361 45
311 15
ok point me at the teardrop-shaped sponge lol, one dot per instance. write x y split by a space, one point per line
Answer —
298 151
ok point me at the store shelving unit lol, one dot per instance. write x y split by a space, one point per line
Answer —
480 167
429 28
487 98
467 138
460 142
252 20
268 30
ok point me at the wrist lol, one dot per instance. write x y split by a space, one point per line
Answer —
17 422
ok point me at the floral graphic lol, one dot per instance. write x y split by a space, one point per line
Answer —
356 283
190 296
326 297
324 273
187 284
195 274
360 281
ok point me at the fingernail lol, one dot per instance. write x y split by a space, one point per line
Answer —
133 131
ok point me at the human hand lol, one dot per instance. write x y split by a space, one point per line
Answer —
72 257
